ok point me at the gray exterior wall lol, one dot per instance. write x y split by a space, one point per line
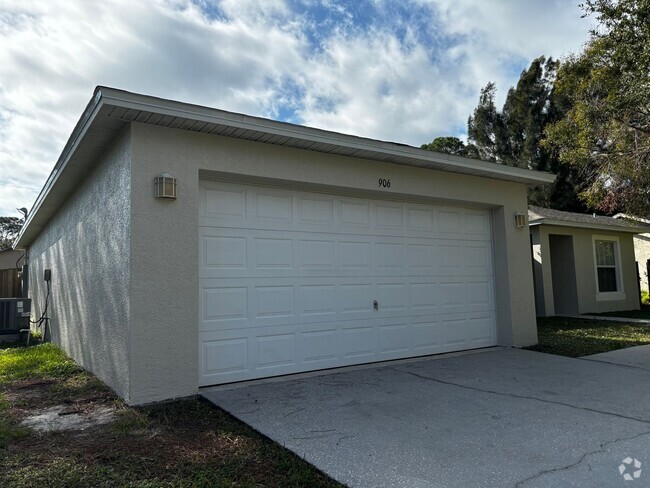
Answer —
87 247
164 241
585 270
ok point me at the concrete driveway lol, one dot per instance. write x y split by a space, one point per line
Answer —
495 418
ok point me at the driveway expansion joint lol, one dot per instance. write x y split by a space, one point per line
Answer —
620 365
522 397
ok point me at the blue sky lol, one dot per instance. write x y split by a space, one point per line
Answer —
405 71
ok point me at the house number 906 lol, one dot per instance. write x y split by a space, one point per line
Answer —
383 183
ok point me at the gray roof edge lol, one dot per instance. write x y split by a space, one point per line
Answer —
625 216
24 238
582 225
125 99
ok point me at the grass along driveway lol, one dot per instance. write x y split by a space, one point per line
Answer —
183 443
582 337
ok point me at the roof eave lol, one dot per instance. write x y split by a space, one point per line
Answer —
595 226
173 108
30 227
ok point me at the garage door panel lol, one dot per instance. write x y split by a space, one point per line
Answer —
395 338
273 301
320 345
477 224
354 213
359 341
224 356
481 329
275 350
273 253
389 216
426 335
315 210
317 254
318 300
224 204
450 222
224 303
273 208
288 280
356 298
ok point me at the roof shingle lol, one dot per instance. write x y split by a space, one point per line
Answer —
539 215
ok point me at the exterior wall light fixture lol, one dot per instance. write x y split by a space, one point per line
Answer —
520 220
165 186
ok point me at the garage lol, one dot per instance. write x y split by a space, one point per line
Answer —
294 281
189 246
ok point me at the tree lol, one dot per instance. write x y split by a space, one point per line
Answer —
9 229
485 126
451 145
605 134
512 136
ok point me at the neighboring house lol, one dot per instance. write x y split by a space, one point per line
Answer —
641 248
286 249
11 259
582 263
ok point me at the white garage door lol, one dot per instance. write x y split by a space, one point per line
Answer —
295 281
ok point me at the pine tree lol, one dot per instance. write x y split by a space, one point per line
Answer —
512 136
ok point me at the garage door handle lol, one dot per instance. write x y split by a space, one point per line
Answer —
375 305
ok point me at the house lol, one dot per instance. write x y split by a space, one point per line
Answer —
641 248
189 247
582 263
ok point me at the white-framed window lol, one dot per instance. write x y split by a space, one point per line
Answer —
609 275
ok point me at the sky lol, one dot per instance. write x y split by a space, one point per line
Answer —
398 70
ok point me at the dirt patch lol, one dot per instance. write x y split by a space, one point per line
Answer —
62 417
74 431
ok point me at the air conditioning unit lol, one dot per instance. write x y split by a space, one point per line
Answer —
14 314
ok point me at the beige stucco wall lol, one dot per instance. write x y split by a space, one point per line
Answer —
642 253
86 245
585 270
164 242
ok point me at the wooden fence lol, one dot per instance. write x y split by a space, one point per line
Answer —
10 284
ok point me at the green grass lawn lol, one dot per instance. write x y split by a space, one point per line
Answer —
582 337
182 443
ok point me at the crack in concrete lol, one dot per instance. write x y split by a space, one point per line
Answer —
523 397
579 461
344 437
294 412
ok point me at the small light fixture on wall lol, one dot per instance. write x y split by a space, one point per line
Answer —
520 220
165 186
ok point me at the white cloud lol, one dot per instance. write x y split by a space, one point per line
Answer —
378 77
